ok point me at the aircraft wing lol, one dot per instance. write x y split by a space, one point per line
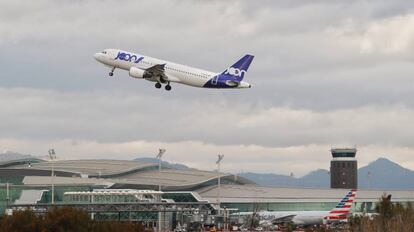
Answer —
158 71
284 219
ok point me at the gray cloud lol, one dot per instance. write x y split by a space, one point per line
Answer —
325 73
117 117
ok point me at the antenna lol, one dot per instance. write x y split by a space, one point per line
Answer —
161 152
52 154
220 157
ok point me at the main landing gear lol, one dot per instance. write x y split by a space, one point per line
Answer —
111 73
167 87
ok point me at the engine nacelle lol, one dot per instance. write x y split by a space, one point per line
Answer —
136 72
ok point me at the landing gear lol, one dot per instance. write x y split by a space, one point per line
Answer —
167 87
111 73
162 80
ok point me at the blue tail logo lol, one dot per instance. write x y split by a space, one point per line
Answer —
238 69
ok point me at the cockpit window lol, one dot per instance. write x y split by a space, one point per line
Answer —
103 52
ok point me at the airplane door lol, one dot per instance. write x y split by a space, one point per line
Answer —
215 80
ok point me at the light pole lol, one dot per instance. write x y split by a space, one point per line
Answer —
159 156
7 195
218 162
52 156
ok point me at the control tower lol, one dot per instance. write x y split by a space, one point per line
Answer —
344 168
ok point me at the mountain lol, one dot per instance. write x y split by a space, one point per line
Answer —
163 163
383 173
270 179
379 174
9 155
318 179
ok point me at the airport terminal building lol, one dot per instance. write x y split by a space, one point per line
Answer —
30 181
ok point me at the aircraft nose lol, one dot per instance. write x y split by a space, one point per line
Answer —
96 56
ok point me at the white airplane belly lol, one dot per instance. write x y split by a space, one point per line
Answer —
307 220
192 81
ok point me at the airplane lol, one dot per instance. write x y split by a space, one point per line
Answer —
307 218
165 72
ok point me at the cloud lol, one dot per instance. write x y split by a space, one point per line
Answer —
325 73
389 36
238 158
103 124
115 116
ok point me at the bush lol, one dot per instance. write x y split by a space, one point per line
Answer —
21 221
62 220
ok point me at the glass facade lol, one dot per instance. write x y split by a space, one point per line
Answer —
343 155
180 197
109 196
11 179
15 192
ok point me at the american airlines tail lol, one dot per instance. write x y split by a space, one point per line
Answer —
343 208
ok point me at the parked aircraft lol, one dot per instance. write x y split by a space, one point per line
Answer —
305 218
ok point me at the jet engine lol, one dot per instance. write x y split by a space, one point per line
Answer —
136 72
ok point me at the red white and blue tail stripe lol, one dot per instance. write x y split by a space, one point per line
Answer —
343 208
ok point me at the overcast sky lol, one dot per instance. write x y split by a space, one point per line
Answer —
325 73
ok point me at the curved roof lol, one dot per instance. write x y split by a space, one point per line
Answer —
92 168
123 174
172 179
22 161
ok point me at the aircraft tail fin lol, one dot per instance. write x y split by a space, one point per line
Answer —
343 208
238 69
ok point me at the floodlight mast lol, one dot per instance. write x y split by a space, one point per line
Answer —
52 156
159 157
218 162
161 152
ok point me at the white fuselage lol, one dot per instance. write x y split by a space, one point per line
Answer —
305 218
174 72
300 218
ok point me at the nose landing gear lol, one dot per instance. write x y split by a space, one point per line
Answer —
111 73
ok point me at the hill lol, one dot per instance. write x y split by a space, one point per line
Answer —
163 163
379 174
9 155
